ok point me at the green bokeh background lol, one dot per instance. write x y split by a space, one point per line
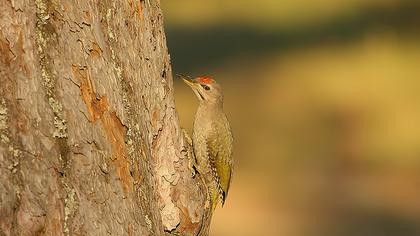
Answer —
324 100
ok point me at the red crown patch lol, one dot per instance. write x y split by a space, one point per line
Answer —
205 80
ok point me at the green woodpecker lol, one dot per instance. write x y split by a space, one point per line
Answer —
212 138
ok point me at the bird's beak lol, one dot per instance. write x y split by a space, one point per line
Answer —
190 82
193 84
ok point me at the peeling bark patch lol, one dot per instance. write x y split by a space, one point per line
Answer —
20 52
140 11
115 131
124 148
186 225
6 53
95 52
95 106
170 215
168 178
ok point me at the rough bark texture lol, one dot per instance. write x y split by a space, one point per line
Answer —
90 142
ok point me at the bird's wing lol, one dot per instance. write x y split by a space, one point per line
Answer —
220 151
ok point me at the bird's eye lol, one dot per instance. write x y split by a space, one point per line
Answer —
205 87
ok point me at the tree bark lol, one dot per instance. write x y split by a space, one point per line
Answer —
89 137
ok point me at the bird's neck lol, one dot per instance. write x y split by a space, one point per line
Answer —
210 107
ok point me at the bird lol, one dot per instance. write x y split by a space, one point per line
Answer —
212 138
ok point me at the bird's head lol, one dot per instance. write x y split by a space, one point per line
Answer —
207 90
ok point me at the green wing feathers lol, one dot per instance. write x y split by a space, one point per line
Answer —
225 172
220 155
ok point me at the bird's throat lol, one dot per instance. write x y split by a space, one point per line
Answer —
199 95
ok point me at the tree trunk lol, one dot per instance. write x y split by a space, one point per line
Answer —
90 142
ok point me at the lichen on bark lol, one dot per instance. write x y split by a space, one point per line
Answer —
88 127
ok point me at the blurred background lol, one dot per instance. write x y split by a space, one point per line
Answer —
324 101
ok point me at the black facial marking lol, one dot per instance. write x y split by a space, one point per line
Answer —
205 87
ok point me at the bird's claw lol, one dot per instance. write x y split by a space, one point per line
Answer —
193 170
